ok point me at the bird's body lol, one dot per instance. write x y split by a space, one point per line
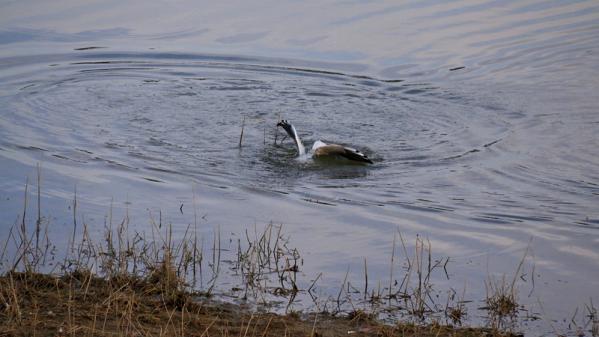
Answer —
322 150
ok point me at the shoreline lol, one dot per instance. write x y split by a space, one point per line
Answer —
140 284
127 285
82 304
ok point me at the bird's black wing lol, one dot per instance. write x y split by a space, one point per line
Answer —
353 154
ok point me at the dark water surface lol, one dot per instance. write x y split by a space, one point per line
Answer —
482 118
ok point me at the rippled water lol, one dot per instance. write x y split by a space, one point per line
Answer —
481 118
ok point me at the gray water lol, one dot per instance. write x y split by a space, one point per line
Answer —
481 118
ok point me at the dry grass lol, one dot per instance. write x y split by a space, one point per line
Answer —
409 291
127 284
502 298
501 303
80 304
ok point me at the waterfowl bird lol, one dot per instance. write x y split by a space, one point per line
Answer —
323 150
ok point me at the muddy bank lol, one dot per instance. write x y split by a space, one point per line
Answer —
81 304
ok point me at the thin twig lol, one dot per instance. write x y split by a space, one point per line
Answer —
241 135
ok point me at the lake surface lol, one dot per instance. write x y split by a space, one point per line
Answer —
481 117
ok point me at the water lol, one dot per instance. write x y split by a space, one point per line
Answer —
481 118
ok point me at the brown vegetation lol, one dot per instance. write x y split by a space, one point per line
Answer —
81 304
130 285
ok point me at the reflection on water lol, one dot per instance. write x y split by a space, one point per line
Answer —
480 117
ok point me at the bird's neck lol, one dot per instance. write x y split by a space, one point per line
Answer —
300 146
